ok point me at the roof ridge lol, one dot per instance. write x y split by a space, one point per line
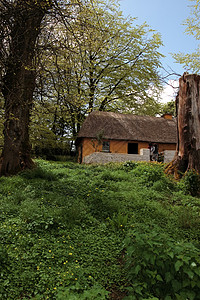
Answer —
128 114
131 127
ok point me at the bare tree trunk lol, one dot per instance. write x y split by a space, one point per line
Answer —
188 126
18 87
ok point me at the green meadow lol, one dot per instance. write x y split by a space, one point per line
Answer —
118 231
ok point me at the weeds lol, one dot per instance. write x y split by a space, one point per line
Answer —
118 221
63 227
158 266
190 183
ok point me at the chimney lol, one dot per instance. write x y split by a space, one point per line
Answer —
167 116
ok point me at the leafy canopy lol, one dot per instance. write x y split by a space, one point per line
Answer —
97 60
191 61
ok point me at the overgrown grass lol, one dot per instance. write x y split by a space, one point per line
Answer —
120 231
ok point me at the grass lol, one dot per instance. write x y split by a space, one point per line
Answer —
72 231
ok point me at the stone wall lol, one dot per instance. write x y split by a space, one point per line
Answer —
103 158
168 155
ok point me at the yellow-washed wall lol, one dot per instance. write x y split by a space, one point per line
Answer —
88 146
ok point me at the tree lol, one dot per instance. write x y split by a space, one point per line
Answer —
21 25
100 62
191 61
188 126
169 108
92 60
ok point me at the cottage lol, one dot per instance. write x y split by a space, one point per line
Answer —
108 132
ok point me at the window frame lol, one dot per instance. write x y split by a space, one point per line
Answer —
106 148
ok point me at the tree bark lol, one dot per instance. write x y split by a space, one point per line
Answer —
188 126
18 86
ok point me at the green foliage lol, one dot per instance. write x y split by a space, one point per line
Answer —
190 182
129 165
159 266
46 143
113 68
191 61
101 204
3 258
63 227
93 293
188 217
118 221
148 174
39 173
169 108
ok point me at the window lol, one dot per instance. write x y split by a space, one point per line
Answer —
106 147
132 148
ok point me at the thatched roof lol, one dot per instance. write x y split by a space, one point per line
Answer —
129 127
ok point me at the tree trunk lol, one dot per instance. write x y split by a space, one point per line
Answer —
18 87
188 126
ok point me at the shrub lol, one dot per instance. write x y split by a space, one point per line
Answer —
129 165
190 182
158 266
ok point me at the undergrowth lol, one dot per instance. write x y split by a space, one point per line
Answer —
72 231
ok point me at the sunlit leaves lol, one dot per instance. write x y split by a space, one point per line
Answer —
97 59
191 62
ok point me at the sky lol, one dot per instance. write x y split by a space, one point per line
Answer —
167 18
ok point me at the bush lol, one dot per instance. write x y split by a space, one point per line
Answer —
190 182
129 165
158 266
